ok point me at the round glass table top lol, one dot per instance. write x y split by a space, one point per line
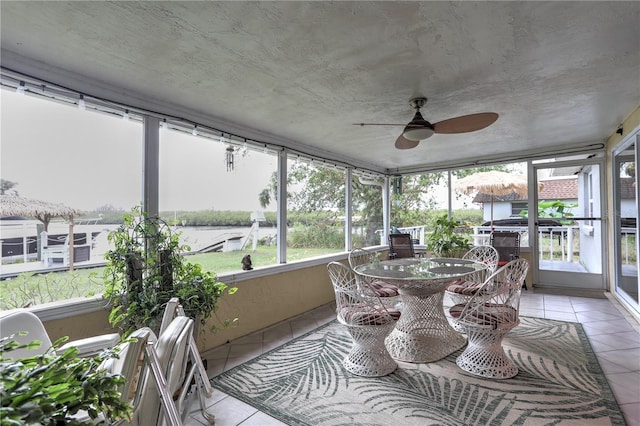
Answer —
420 268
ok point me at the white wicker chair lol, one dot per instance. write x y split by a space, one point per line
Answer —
371 287
460 291
487 318
367 320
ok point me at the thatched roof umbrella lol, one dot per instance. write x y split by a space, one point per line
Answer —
12 205
494 183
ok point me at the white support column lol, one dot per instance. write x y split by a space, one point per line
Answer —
449 195
25 244
569 243
151 165
386 210
70 252
348 209
281 232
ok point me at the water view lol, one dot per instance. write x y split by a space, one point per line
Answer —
20 241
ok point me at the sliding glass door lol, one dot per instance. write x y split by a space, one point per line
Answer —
625 183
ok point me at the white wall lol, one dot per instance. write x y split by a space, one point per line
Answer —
501 210
628 208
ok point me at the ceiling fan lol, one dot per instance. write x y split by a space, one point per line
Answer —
419 129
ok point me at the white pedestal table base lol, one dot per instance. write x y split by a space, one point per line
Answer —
423 333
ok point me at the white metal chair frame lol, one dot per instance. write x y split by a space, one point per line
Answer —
142 369
135 353
484 254
157 367
154 368
196 372
367 320
487 318
164 369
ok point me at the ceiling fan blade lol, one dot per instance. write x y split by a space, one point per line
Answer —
466 123
378 124
404 143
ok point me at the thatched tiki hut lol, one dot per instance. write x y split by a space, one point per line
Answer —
12 205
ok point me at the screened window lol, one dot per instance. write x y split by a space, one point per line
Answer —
212 192
58 155
366 219
315 209
519 209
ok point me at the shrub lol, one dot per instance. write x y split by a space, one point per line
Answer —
50 389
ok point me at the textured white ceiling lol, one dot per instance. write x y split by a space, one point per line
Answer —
301 73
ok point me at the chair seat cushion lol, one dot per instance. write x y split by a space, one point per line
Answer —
383 289
502 262
490 314
466 288
361 314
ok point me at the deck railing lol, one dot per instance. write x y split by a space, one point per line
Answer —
557 243
628 246
417 234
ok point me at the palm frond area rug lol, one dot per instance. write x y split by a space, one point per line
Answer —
304 383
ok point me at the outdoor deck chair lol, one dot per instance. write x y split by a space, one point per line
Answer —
195 381
24 327
508 246
400 246
59 251
154 368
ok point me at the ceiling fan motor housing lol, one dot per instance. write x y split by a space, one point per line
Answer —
419 128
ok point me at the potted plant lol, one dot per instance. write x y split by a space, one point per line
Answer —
50 389
146 268
445 240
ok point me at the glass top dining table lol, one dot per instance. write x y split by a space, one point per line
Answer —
423 333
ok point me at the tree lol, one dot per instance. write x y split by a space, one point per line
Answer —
6 187
319 189
418 196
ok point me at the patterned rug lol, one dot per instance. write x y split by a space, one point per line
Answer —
304 383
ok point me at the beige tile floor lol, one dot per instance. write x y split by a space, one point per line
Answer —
613 333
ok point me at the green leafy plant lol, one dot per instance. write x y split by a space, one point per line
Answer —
146 268
445 240
50 389
555 209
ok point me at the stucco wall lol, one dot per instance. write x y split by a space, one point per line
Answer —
258 303
79 326
268 300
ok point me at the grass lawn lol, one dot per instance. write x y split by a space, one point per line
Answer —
34 289
219 262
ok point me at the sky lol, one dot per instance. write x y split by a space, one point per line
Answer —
84 159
